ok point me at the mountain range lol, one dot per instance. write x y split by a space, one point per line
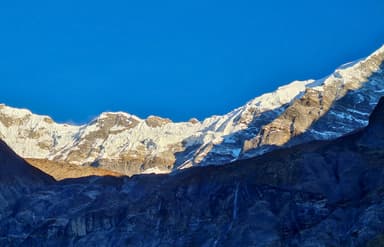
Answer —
301 166
321 193
299 112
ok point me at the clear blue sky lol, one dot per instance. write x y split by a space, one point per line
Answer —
177 59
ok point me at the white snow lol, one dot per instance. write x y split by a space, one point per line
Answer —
30 132
154 170
358 112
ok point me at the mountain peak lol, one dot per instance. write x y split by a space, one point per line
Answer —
298 112
154 121
119 114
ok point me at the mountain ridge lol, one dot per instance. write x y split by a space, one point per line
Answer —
295 113
322 193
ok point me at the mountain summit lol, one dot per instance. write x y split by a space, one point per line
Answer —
296 113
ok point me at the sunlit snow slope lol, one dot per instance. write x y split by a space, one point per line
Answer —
295 113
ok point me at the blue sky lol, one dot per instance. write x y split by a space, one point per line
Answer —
177 59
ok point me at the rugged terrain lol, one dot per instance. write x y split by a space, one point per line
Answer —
323 193
299 112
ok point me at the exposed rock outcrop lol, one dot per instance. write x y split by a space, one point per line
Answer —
154 122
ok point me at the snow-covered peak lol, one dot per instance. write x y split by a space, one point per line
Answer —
128 144
281 96
354 64
15 112
117 114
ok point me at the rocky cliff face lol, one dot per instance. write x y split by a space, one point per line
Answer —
296 113
323 193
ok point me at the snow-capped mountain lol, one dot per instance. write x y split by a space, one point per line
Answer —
295 113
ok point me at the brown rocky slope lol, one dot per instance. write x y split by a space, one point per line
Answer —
62 170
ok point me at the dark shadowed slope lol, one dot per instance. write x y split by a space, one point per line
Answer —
17 176
16 171
325 193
